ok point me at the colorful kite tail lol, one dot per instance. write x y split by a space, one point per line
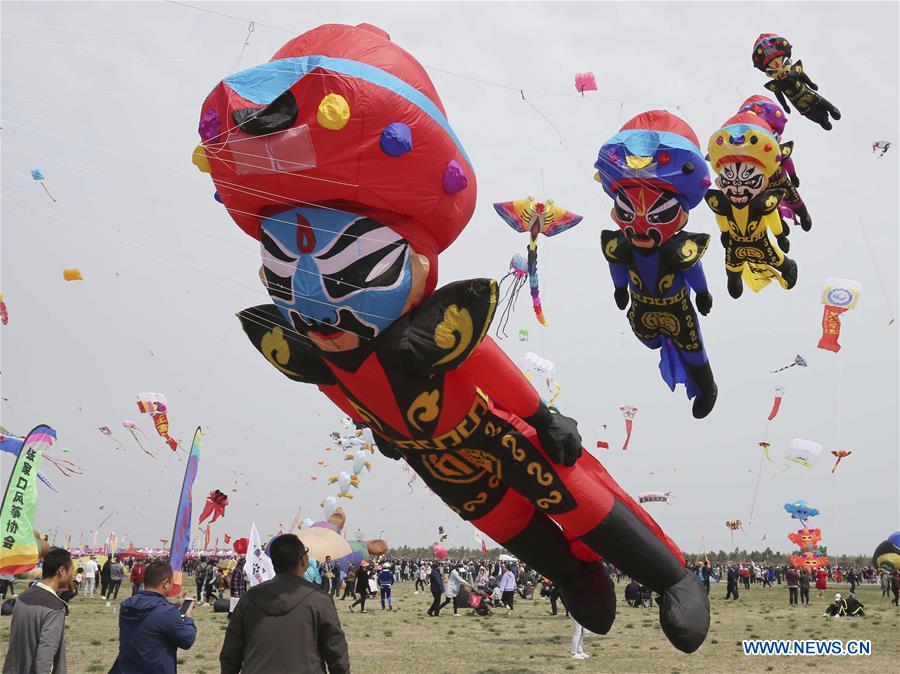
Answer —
628 425
776 405
533 284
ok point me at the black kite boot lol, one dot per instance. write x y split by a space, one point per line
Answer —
587 589
735 284
705 400
624 540
788 271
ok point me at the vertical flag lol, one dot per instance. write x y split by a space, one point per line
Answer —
260 565
181 534
19 551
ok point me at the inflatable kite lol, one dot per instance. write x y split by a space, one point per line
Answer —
338 157
785 178
344 482
215 505
809 560
155 405
881 147
887 554
442 535
798 510
655 497
654 171
803 452
240 545
839 295
585 82
72 275
778 393
839 454
536 217
516 277
38 176
628 413
734 525
806 539
746 156
324 539
541 372
439 551
4 313
360 460
772 55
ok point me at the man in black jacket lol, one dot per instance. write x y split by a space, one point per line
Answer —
436 578
732 583
285 624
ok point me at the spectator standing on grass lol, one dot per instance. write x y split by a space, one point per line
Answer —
362 587
237 585
577 646
732 583
105 576
821 582
151 628
137 577
37 632
508 587
349 583
455 582
436 580
116 576
6 585
200 577
285 625
421 577
385 584
91 570
744 573
805 579
792 578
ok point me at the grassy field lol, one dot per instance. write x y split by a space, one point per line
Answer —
406 640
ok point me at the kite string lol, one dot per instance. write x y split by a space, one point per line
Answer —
887 298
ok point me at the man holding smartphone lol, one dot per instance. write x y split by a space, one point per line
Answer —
152 629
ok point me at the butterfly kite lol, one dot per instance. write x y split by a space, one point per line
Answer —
536 217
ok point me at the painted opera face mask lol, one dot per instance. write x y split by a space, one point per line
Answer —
648 216
741 181
339 278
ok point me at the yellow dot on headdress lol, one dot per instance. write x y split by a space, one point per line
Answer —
334 112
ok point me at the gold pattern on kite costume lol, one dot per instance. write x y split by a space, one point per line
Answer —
277 351
424 408
456 467
635 280
681 326
689 250
454 333
661 320
469 506
453 438
666 282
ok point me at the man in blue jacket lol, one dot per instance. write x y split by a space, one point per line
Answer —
151 629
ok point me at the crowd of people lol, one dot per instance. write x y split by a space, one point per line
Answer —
270 625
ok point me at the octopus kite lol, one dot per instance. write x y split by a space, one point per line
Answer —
354 183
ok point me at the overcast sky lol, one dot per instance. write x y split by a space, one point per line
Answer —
105 98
